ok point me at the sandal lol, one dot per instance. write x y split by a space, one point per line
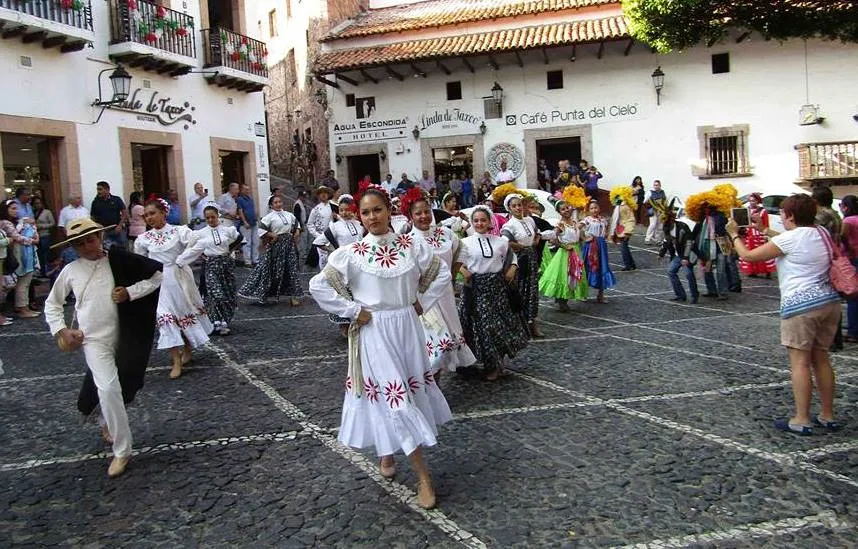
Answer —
387 471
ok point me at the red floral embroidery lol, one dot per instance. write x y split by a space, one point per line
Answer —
166 319
446 345
187 321
386 256
413 385
361 248
430 348
348 383
370 387
438 232
433 241
404 241
394 392
160 238
428 378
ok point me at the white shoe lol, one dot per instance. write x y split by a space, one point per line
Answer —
223 329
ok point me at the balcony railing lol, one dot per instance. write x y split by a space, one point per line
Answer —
147 23
834 160
225 48
75 13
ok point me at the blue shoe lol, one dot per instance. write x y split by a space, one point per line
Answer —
786 426
830 425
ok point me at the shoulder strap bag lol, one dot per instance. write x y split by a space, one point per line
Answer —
843 276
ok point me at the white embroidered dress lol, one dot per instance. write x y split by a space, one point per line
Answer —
180 307
391 400
445 343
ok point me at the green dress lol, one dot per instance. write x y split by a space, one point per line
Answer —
554 281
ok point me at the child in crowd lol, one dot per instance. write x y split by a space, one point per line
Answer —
595 251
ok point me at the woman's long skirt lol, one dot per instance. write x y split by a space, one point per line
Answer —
276 274
401 405
181 310
220 296
595 255
755 239
491 329
445 343
528 282
564 278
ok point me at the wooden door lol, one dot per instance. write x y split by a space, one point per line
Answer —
153 166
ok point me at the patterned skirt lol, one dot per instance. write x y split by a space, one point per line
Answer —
219 283
276 274
755 239
527 279
563 278
181 311
595 255
491 329
445 343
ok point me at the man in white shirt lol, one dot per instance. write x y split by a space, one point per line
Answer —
388 184
504 175
198 203
228 205
74 210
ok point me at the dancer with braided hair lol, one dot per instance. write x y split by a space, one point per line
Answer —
183 323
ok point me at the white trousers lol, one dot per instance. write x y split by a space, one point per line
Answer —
654 231
101 360
250 245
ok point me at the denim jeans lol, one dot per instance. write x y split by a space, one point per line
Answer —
44 250
673 269
852 312
628 260
717 284
734 282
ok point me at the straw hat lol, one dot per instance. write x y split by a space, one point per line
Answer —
323 189
79 228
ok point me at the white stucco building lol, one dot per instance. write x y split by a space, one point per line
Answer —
411 86
194 112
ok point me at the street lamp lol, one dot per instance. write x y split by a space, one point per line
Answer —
416 132
497 94
658 83
120 81
483 128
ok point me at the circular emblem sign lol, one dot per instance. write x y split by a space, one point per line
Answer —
505 152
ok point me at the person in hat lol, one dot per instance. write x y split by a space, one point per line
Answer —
117 294
320 219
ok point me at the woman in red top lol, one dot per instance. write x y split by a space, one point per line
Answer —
754 239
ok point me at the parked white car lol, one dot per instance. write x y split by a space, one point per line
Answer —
772 204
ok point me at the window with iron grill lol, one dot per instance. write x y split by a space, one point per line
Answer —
723 151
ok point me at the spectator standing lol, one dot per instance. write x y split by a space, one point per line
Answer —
25 207
829 220
467 190
639 193
108 210
23 249
44 223
388 184
404 183
136 223
73 210
456 187
656 203
175 215
810 308
505 175
849 244
331 182
591 182
427 183
198 203
247 215
228 206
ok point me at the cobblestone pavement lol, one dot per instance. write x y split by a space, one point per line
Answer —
641 422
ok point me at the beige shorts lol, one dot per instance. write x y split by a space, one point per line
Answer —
813 329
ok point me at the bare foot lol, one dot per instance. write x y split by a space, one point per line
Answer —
186 356
176 372
105 435
387 467
426 494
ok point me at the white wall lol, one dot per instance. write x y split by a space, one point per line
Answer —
62 87
765 89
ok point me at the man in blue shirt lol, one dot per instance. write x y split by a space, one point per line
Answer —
246 210
22 199
175 215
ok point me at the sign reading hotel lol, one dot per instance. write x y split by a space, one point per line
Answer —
148 105
594 114
369 129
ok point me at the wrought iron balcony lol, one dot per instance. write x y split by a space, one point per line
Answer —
833 162
63 24
152 37
240 62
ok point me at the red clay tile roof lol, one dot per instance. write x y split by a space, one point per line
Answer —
559 34
438 13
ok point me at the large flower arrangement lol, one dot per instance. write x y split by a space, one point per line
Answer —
155 29
625 193
721 197
74 5
574 196
240 50
501 192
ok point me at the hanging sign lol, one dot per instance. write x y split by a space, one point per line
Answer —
149 105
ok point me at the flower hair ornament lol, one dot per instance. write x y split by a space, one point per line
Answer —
164 204
411 197
509 198
485 210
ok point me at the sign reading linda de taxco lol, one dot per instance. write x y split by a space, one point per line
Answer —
151 106
448 119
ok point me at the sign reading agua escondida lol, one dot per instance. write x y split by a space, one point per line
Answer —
151 106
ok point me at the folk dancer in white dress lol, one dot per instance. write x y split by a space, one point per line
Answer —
382 283
445 342
520 231
492 328
277 273
319 220
91 279
215 244
398 221
183 324
342 232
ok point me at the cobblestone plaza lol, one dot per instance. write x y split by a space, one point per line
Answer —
642 422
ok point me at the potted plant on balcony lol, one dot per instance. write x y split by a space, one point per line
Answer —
74 5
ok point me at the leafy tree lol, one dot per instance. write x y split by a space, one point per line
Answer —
679 24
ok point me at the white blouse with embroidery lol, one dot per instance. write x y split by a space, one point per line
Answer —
211 242
443 242
523 231
484 253
382 273
594 227
570 234
278 222
346 231
319 219
165 244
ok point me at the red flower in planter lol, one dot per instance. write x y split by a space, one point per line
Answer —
236 56
151 37
182 31
161 12
244 40
66 4
132 4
